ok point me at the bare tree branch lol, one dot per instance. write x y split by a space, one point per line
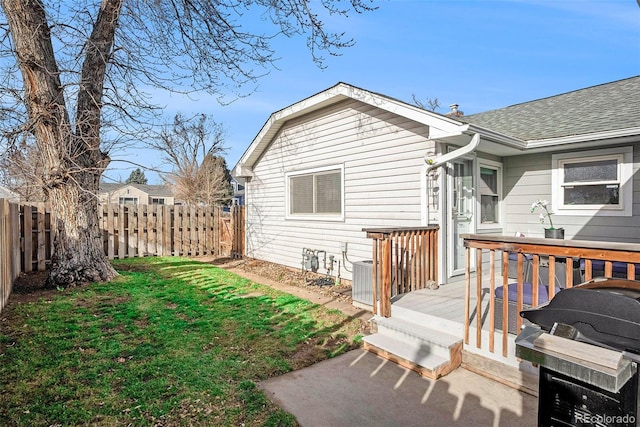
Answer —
76 78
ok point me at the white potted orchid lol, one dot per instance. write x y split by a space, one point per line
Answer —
545 214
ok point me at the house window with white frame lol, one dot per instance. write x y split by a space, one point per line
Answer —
315 193
596 182
490 193
588 182
157 201
128 200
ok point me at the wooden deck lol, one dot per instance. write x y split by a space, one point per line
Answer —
404 277
446 302
444 309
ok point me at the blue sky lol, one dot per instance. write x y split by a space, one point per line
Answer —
480 54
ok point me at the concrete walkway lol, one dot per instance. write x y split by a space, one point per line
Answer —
362 389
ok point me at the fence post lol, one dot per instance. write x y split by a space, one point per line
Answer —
216 230
110 231
42 250
5 250
27 237
10 252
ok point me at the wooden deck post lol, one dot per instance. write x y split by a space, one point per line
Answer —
385 286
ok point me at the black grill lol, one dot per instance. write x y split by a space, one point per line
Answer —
565 401
572 391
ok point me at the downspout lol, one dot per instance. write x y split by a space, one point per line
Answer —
429 165
469 148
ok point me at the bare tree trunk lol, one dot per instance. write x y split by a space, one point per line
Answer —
78 254
71 158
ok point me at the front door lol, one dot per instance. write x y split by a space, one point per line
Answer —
461 220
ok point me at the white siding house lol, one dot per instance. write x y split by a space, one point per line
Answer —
321 170
135 194
374 147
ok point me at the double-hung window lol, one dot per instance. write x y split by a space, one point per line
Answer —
315 194
593 182
128 200
589 182
490 192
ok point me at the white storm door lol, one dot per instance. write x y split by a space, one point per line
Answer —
461 202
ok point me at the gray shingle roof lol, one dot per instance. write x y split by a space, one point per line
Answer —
606 107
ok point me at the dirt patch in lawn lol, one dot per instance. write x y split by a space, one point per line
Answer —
317 283
303 284
29 287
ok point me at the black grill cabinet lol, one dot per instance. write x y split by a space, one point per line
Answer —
565 401
573 390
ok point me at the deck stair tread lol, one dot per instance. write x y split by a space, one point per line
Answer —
417 331
429 351
410 351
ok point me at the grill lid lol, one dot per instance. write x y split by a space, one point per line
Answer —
605 312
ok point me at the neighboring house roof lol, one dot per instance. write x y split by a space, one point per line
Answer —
109 187
5 193
152 190
603 108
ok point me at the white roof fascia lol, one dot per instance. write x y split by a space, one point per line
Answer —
441 125
588 137
498 137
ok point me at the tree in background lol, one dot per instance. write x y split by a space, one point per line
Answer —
17 169
74 76
214 181
137 177
430 104
191 148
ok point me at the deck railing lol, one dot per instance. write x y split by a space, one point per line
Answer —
551 262
404 260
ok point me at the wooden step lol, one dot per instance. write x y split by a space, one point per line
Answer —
437 341
429 352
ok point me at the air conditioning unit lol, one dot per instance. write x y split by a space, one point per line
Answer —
362 284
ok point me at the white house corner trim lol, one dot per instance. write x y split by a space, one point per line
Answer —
424 197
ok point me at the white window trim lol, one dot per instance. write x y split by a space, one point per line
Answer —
499 167
626 183
122 200
314 217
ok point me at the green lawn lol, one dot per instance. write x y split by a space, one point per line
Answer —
170 342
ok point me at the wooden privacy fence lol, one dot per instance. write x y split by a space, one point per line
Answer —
138 231
404 260
9 248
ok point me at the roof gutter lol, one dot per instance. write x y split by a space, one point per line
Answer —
462 151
